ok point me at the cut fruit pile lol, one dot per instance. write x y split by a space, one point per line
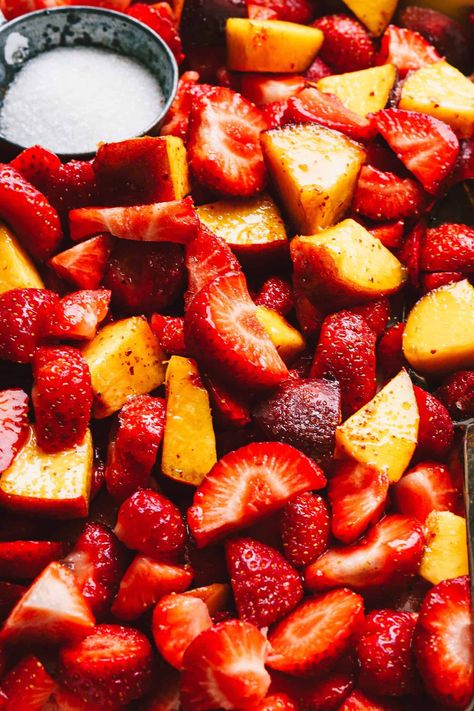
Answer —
231 361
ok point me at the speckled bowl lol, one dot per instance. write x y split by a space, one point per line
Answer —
30 35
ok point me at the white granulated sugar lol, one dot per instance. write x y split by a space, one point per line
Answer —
71 98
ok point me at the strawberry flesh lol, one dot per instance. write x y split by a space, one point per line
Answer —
84 264
13 424
425 488
177 621
27 686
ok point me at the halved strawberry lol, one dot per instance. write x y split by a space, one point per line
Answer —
177 621
110 667
224 143
433 280
406 49
77 315
13 424
312 638
384 196
287 10
267 88
347 45
169 331
96 561
224 667
84 264
435 430
172 221
443 643
27 686
52 610
305 525
457 394
24 560
229 407
357 494
376 313
223 333
390 351
389 554
23 313
425 488
159 18
427 146
248 484
177 119
265 585
62 397
448 248
145 582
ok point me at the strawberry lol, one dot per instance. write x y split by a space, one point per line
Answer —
265 585
434 280
169 331
111 666
27 686
16 8
275 702
13 424
223 333
224 667
177 621
389 554
96 561
36 164
325 693
151 524
53 609
308 316
426 146
389 233
457 394
62 397
387 665
317 70
229 407
159 18
346 352
464 169
165 695
133 452
311 105
376 313
347 46
443 643
77 315
435 431
145 582
23 313
267 88
24 560
357 701
144 277
63 700
315 635
390 352
411 251
217 598
274 113
224 143
32 218
172 221
425 488
300 11
357 494
10 593
406 49
276 293
84 264
303 413
246 485
448 247
305 526
385 196
177 119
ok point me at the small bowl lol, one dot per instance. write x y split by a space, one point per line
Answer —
35 33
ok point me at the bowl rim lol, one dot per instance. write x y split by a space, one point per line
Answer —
104 13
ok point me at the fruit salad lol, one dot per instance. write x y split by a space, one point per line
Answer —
235 363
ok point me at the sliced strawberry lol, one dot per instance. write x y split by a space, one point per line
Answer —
457 394
230 407
287 10
172 221
267 88
13 424
316 634
275 702
443 643
225 667
323 693
311 105
385 196
145 582
346 352
276 293
388 555
411 251
35 222
376 314
216 596
347 45
27 686
434 280
84 264
435 430
177 621
62 397
426 146
425 488
390 233
248 484
23 313
274 113
159 18
305 526
151 524
169 331
317 70
111 666
96 561
77 315
448 248
36 164
177 118
223 333
53 609
23 560
406 49
133 451
265 585
357 701
224 143
308 316
390 351
357 494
